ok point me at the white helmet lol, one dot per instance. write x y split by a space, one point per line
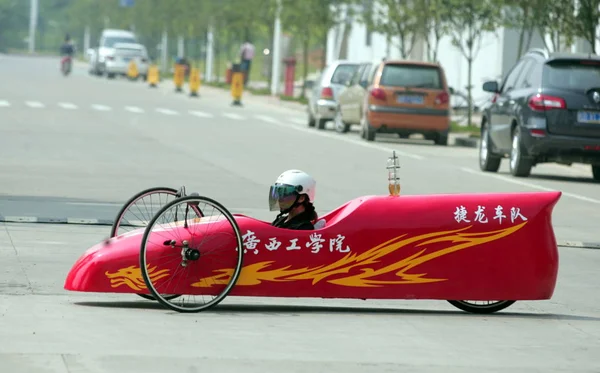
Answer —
284 193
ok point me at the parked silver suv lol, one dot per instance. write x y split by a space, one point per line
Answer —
322 102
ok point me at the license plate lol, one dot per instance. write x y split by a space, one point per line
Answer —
588 117
403 99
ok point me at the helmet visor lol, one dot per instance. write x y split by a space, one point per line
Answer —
282 197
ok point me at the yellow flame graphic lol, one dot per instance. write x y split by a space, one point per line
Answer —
456 240
132 277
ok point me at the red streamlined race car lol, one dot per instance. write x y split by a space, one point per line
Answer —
193 252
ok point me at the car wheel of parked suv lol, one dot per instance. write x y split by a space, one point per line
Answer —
487 161
519 164
339 124
311 120
596 172
441 138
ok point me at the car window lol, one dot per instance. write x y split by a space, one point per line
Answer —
364 79
357 75
534 78
408 75
373 73
343 73
111 41
520 82
577 75
511 79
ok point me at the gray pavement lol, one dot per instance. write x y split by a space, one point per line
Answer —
78 147
51 330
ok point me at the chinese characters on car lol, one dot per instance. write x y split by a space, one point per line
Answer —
314 243
481 216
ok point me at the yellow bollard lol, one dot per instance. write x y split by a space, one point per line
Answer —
132 70
237 84
152 75
194 82
179 77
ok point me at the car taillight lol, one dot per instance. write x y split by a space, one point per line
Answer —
327 93
378 94
442 98
541 102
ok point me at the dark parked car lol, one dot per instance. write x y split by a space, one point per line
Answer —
547 109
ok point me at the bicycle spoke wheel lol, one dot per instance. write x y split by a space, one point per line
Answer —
197 257
139 210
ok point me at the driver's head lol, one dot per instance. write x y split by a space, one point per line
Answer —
67 38
292 191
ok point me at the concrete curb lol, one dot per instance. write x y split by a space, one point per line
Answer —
108 222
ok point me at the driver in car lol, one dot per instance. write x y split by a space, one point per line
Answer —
293 194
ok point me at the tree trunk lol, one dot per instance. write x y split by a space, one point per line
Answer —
529 36
521 36
305 44
324 55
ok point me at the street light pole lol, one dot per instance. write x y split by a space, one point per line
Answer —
276 63
33 15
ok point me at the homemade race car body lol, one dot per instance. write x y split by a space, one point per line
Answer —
445 247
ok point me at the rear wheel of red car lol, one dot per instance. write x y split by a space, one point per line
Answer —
596 172
195 256
481 306
519 165
487 161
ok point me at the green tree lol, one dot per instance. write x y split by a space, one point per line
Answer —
469 20
556 19
434 19
397 18
585 23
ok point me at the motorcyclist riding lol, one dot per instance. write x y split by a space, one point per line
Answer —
67 48
293 194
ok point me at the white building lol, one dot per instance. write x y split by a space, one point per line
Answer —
496 56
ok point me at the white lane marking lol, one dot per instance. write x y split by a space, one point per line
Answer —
529 185
34 104
233 116
200 114
363 143
4 103
166 111
134 109
101 107
67 105
265 118
20 219
299 121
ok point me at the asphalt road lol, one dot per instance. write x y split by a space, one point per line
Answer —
78 147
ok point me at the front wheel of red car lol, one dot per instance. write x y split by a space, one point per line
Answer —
490 307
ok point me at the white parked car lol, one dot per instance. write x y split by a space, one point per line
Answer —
118 62
106 47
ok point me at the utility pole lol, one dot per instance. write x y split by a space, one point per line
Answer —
276 62
33 16
209 54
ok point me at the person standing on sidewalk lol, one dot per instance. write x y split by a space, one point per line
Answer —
246 54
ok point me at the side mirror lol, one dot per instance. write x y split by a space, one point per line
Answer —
451 90
490 86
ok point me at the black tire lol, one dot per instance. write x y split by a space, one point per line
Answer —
441 138
311 120
132 201
487 160
190 200
467 306
339 125
519 164
596 172
368 131
321 123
